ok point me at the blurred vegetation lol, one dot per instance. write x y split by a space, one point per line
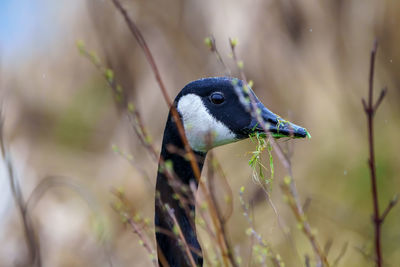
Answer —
309 62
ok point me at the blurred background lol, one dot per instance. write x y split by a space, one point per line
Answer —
309 61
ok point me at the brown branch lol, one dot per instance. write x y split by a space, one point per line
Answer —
205 226
389 207
291 194
172 235
137 123
381 96
124 208
150 59
191 156
161 257
144 242
181 236
370 110
220 224
132 113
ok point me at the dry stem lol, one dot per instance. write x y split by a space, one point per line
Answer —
143 45
292 189
181 236
31 240
370 110
221 231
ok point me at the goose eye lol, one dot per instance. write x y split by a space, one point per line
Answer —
217 98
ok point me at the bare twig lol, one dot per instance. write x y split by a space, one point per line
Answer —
227 253
370 110
222 177
49 182
210 42
328 246
132 113
144 242
32 241
124 208
290 187
161 257
181 236
133 163
138 126
137 123
367 256
172 235
341 254
239 64
302 221
275 257
203 223
143 45
190 155
389 207
381 96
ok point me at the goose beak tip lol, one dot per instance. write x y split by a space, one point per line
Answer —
308 135
277 126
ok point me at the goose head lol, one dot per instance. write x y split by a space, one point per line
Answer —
220 107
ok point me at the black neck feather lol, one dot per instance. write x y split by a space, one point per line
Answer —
173 252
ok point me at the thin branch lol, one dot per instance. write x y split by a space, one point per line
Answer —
132 113
210 42
219 170
143 45
32 241
381 96
172 235
370 110
221 230
328 246
206 226
53 181
290 188
302 221
275 257
371 73
341 254
161 257
365 254
389 207
144 242
134 164
137 123
150 59
181 236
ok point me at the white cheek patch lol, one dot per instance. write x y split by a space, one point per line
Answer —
199 123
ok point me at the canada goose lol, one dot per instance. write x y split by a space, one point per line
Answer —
210 105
